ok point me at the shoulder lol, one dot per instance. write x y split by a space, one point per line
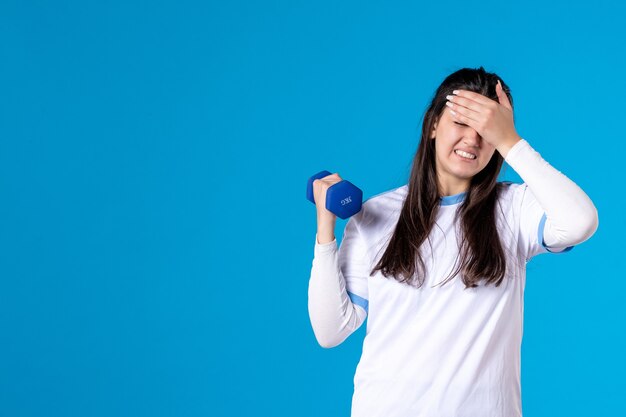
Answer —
391 197
514 197
381 210
508 186
387 201
508 191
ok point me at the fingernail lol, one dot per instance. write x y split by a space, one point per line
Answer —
455 92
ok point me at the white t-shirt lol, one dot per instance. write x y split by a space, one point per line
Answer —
439 350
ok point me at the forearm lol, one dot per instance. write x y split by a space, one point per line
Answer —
333 316
571 216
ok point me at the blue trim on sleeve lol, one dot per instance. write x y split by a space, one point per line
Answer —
542 225
360 301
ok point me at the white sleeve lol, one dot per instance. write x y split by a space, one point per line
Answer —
555 212
337 310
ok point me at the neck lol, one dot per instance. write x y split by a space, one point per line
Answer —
453 186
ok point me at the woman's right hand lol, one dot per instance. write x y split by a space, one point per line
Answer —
325 219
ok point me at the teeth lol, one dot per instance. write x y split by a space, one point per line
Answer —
465 154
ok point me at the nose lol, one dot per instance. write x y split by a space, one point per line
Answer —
471 138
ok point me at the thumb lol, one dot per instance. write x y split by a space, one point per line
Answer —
502 97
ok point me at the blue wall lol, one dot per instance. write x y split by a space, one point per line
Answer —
155 242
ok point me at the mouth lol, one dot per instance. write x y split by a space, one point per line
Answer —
465 155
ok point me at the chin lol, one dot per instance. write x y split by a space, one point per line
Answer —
464 175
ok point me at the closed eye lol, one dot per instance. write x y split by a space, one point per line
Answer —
460 124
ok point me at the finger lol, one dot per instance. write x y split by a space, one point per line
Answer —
463 119
472 96
502 97
463 111
465 102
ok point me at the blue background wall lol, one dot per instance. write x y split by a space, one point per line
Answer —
155 242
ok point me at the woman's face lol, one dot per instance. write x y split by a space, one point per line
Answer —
460 151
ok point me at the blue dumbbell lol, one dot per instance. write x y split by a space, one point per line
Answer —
343 199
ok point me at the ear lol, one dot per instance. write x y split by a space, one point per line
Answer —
434 131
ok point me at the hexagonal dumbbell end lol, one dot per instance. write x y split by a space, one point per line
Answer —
344 199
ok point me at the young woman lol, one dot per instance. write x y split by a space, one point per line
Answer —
438 266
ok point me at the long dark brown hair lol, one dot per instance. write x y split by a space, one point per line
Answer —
481 255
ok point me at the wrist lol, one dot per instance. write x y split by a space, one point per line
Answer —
324 238
505 146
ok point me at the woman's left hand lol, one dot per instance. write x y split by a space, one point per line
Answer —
493 121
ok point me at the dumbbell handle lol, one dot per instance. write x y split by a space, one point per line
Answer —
343 199
309 188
